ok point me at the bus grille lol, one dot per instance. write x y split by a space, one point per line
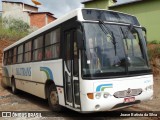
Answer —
127 93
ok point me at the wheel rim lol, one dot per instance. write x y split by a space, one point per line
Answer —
53 98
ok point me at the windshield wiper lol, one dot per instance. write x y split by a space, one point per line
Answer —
106 30
125 37
105 27
126 34
130 30
102 27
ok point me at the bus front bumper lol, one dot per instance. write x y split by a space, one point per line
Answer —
112 103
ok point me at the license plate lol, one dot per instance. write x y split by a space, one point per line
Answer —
128 100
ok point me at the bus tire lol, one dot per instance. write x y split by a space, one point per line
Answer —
53 99
13 86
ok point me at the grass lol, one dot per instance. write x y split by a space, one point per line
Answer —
154 42
6 34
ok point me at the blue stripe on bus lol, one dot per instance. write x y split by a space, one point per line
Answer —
99 88
48 72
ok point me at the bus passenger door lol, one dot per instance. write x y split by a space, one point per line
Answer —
71 70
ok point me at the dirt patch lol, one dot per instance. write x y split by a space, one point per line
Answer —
21 102
154 57
152 105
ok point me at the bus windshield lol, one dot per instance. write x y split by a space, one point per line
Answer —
113 50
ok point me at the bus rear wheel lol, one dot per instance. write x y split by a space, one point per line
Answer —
53 99
13 86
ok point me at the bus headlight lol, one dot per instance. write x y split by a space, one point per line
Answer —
97 95
106 95
150 87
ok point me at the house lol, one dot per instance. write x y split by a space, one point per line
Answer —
26 13
98 3
40 19
147 12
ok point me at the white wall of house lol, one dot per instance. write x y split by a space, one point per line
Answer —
30 8
15 11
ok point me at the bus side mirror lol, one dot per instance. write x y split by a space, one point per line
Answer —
144 33
79 39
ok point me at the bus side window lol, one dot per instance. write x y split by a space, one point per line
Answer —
5 57
27 54
58 50
52 44
9 57
37 48
39 55
14 55
20 54
48 54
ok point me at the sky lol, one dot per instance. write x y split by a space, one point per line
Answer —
57 7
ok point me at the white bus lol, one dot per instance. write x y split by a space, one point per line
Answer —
89 60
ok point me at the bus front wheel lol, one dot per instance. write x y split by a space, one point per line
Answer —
53 98
13 86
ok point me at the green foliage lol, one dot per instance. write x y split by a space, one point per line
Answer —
154 42
11 29
16 25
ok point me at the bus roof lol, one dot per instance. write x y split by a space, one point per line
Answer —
76 12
